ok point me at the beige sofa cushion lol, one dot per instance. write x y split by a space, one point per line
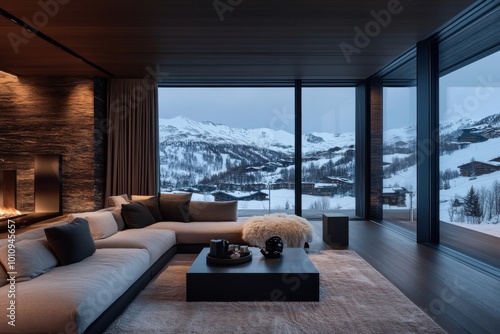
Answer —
32 258
203 232
156 242
102 224
213 211
36 233
67 299
118 200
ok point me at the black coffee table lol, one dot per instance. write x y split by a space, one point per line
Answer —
292 277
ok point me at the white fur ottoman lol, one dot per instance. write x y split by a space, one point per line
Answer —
295 231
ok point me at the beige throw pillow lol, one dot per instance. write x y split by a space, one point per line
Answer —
140 197
102 224
118 200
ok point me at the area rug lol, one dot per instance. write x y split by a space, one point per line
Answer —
354 298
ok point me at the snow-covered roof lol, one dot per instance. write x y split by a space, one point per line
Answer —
393 190
342 179
238 194
325 185
490 163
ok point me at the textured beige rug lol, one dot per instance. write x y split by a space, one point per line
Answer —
354 298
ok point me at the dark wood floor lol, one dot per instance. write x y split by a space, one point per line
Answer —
458 296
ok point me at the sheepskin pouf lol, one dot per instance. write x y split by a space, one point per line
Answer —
295 231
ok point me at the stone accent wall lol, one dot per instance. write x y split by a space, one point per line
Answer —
53 115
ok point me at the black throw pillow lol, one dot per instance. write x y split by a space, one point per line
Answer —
153 206
175 210
137 215
71 242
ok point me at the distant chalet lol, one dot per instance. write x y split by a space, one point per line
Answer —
394 196
239 196
478 135
477 168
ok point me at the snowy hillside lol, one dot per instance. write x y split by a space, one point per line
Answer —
184 129
192 151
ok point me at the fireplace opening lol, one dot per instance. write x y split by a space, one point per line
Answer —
8 195
46 188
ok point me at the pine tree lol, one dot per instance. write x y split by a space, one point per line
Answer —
472 208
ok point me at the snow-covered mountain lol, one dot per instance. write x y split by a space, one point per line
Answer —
184 129
192 150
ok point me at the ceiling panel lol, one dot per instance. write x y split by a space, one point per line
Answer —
256 40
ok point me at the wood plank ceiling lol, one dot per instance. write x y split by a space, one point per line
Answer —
240 41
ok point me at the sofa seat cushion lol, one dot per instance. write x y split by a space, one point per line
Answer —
203 232
67 299
155 242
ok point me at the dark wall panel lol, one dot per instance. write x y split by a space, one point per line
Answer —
49 115
376 150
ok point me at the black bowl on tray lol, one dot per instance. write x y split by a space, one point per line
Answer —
228 261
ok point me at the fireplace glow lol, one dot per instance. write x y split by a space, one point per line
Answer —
9 213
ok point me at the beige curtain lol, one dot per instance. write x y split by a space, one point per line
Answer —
132 137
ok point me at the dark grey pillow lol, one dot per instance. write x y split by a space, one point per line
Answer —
174 210
137 215
71 242
153 206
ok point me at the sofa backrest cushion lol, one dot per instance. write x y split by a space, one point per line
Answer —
33 257
102 224
136 198
153 206
118 200
117 214
213 211
137 215
71 242
174 210
176 196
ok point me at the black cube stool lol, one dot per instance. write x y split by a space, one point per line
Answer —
336 228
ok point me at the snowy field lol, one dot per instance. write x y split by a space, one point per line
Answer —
285 199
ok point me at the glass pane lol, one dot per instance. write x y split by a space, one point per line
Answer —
328 128
399 156
229 144
469 156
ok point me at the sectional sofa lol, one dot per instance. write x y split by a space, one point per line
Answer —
78 275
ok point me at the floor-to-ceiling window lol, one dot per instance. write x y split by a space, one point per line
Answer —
469 162
399 155
229 144
238 143
399 158
328 122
